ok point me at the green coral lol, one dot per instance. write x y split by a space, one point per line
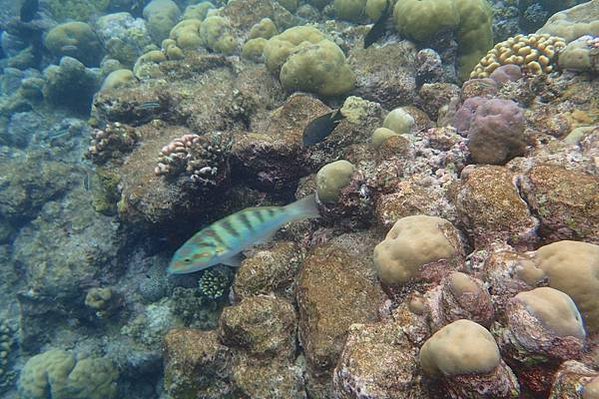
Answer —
309 62
146 66
253 49
472 21
214 283
216 35
6 345
58 374
198 11
117 79
332 178
74 39
78 10
375 8
161 15
187 34
351 10
265 29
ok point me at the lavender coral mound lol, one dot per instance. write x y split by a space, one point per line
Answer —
496 134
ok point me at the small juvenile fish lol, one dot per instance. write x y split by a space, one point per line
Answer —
149 105
223 241
320 128
379 27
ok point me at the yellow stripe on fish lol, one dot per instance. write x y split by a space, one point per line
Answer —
224 240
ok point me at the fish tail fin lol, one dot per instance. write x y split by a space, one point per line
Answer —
304 208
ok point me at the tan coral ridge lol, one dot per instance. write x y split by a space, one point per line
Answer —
535 53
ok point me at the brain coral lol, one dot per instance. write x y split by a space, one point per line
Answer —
421 20
535 54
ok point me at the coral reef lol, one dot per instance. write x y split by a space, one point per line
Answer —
71 84
124 37
456 250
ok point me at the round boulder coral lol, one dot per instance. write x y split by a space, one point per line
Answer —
573 267
465 357
57 374
332 178
462 347
74 39
413 242
318 68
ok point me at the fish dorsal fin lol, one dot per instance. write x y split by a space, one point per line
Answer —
234 261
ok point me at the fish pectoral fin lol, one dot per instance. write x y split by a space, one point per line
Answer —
266 238
234 261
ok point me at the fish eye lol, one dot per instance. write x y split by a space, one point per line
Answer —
187 260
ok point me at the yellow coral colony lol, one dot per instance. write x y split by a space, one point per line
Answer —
535 53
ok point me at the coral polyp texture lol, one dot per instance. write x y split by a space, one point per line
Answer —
534 53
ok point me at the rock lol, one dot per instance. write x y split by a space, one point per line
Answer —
386 75
196 365
267 379
337 288
491 209
565 201
261 326
378 362
270 271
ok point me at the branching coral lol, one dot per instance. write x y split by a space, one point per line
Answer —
111 142
214 283
202 158
535 53
6 346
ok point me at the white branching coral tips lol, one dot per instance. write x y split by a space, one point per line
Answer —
175 154
202 159
111 142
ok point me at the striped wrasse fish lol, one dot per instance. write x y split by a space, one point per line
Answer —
224 240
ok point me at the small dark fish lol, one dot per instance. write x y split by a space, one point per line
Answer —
379 27
28 10
320 128
69 48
